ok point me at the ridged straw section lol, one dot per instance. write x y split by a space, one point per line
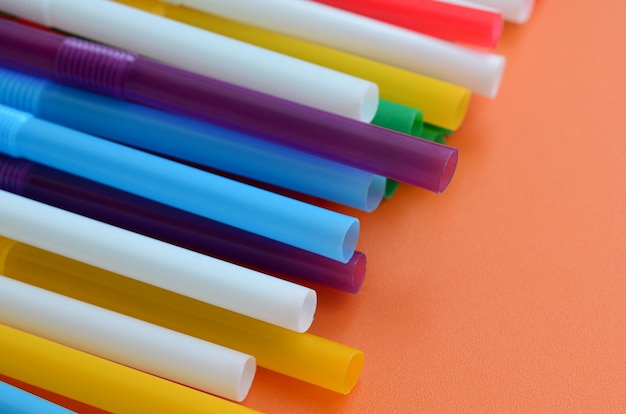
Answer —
11 121
20 91
13 174
93 66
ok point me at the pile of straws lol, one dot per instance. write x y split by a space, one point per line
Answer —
156 162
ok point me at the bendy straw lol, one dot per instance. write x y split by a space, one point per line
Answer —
262 212
187 139
106 70
204 52
441 102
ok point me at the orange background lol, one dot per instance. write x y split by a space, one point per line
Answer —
507 293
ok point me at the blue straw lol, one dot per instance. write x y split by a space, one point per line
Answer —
191 140
293 222
14 400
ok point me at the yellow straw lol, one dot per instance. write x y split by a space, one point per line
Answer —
98 382
303 356
443 104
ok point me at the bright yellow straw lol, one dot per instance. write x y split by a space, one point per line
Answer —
303 356
443 104
99 382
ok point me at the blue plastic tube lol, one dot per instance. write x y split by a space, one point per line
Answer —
14 400
191 140
280 218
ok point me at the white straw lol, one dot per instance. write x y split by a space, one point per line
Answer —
125 340
188 273
479 71
203 52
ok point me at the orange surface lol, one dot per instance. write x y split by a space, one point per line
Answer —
506 293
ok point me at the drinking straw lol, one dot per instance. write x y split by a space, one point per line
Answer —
129 341
441 102
399 117
268 214
206 53
479 71
515 11
186 272
378 150
443 20
175 226
14 400
99 382
191 140
306 357
425 131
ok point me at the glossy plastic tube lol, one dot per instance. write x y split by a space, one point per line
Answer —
14 400
442 20
378 150
441 102
205 53
479 71
399 117
299 224
152 261
175 226
129 341
187 139
99 382
515 11
305 357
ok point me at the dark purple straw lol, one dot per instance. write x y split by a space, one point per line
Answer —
125 75
175 226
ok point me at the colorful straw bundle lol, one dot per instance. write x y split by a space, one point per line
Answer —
159 182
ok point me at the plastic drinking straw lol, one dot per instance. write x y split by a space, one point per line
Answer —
479 71
129 341
191 140
306 357
443 20
442 103
399 117
515 11
206 53
14 400
361 145
186 272
290 221
425 131
99 382
175 226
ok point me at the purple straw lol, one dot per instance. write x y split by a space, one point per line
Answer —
125 75
175 226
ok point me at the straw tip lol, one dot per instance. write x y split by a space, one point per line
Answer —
353 372
448 170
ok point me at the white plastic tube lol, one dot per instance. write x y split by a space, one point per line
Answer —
151 261
516 11
203 52
479 71
125 340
